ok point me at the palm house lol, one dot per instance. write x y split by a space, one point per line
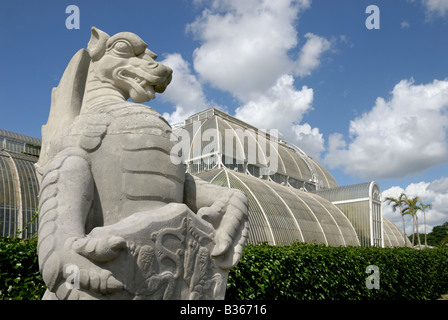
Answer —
291 196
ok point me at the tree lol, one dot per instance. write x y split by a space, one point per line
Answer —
423 207
444 241
438 233
412 209
398 203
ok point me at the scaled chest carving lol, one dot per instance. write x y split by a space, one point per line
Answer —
128 146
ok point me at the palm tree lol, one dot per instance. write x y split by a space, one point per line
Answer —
412 209
398 203
423 207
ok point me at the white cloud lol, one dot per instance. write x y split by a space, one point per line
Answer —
282 104
310 54
310 140
184 91
435 193
404 24
435 8
404 135
245 45
282 107
247 48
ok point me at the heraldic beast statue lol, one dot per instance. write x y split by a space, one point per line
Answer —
117 219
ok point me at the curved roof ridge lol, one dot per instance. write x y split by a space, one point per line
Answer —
288 208
258 203
20 137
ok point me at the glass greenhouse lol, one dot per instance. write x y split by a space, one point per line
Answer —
281 215
291 196
361 203
393 236
217 139
18 186
299 201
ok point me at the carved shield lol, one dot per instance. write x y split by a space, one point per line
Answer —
167 256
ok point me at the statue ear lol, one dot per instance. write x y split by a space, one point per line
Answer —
97 44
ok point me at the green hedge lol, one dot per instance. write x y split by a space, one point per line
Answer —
297 271
316 272
19 272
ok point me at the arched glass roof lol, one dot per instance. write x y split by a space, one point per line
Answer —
281 215
393 236
361 203
220 138
19 143
352 192
18 194
20 137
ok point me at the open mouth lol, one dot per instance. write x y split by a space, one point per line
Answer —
140 88
147 88
141 85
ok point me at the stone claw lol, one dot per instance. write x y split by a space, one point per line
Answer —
113 285
211 214
99 281
99 249
220 248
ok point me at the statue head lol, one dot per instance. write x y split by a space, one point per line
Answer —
125 63
120 67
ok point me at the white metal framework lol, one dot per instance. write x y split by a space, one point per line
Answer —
218 139
18 184
361 203
281 215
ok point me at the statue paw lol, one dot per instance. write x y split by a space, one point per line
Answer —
86 283
228 215
99 281
99 249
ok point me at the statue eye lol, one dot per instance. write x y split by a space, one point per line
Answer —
123 49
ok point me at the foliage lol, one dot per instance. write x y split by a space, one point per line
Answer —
398 203
412 208
314 272
26 231
437 235
19 272
444 241
298 271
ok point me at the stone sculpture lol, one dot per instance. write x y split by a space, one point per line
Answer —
117 219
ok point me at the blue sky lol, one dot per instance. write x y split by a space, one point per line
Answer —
368 104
